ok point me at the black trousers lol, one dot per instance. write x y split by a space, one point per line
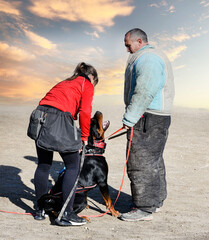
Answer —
146 168
72 164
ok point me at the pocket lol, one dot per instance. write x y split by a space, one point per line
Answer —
70 120
35 123
51 120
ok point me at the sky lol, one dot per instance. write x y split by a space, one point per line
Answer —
41 42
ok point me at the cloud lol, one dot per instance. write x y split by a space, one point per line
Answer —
111 78
205 14
15 84
40 41
166 39
170 43
86 54
154 5
26 84
175 53
14 53
98 13
171 9
164 4
10 8
93 34
205 3
181 37
196 35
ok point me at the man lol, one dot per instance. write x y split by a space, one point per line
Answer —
148 96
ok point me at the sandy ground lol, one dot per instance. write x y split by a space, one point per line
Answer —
183 216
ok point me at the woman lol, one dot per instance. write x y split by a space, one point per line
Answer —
73 95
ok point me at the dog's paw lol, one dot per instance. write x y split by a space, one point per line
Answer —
115 213
87 219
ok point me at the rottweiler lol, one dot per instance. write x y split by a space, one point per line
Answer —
94 173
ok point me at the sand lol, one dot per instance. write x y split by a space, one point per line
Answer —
183 216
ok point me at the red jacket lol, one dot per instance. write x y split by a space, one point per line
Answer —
74 96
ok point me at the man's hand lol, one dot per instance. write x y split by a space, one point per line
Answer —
126 127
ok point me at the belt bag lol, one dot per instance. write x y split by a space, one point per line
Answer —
37 119
58 131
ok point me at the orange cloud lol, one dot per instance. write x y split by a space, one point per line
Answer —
15 84
98 13
19 76
14 53
25 84
40 41
111 80
9 8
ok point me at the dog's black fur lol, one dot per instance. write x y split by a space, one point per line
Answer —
94 173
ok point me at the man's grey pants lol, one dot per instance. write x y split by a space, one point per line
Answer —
145 168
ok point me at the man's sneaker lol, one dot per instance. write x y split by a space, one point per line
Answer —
40 214
71 219
136 215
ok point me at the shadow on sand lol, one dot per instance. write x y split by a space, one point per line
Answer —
13 188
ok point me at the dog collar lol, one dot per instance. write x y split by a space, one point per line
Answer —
99 144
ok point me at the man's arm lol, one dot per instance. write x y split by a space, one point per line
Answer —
150 77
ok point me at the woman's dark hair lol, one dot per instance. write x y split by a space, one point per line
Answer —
85 69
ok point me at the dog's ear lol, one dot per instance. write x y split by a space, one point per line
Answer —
99 116
94 127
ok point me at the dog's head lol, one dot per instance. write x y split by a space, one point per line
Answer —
98 128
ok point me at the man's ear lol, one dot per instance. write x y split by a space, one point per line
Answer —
139 40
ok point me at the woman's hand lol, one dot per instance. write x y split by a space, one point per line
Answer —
83 143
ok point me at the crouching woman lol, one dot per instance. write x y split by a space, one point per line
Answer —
60 106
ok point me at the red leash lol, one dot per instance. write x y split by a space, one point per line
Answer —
17 213
124 171
111 134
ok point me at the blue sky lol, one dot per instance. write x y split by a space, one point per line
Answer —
41 42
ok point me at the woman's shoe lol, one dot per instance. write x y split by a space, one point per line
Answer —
71 219
40 214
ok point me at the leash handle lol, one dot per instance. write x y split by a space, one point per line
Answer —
111 134
118 135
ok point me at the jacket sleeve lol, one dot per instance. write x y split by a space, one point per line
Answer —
149 74
86 109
